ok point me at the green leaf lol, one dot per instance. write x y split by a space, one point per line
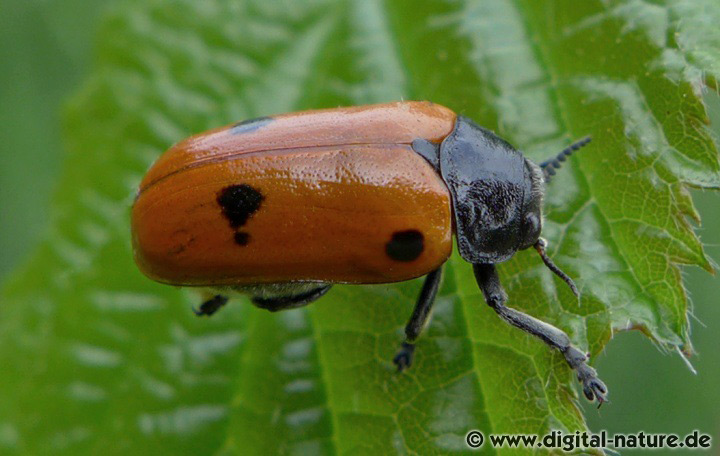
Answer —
97 358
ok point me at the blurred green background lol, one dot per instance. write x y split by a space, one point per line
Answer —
46 51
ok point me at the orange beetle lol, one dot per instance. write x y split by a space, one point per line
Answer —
283 207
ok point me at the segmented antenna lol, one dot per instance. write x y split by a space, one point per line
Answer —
549 166
540 247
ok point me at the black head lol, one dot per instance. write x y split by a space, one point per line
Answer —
497 194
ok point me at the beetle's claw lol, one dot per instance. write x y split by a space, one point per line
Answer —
404 357
593 387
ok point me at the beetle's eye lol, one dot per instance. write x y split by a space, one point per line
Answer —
530 230
532 223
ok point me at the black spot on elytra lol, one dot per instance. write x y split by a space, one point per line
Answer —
405 245
242 238
239 203
248 126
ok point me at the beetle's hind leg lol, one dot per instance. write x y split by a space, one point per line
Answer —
210 306
291 301
418 319
489 282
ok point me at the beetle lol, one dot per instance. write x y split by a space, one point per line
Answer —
283 207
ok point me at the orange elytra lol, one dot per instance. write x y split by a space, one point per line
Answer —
283 207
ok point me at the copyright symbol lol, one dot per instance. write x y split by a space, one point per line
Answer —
474 439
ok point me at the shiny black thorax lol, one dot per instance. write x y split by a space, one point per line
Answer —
496 193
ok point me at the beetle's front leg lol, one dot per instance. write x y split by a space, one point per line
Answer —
489 282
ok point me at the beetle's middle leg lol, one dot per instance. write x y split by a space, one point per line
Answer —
290 301
489 282
418 319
